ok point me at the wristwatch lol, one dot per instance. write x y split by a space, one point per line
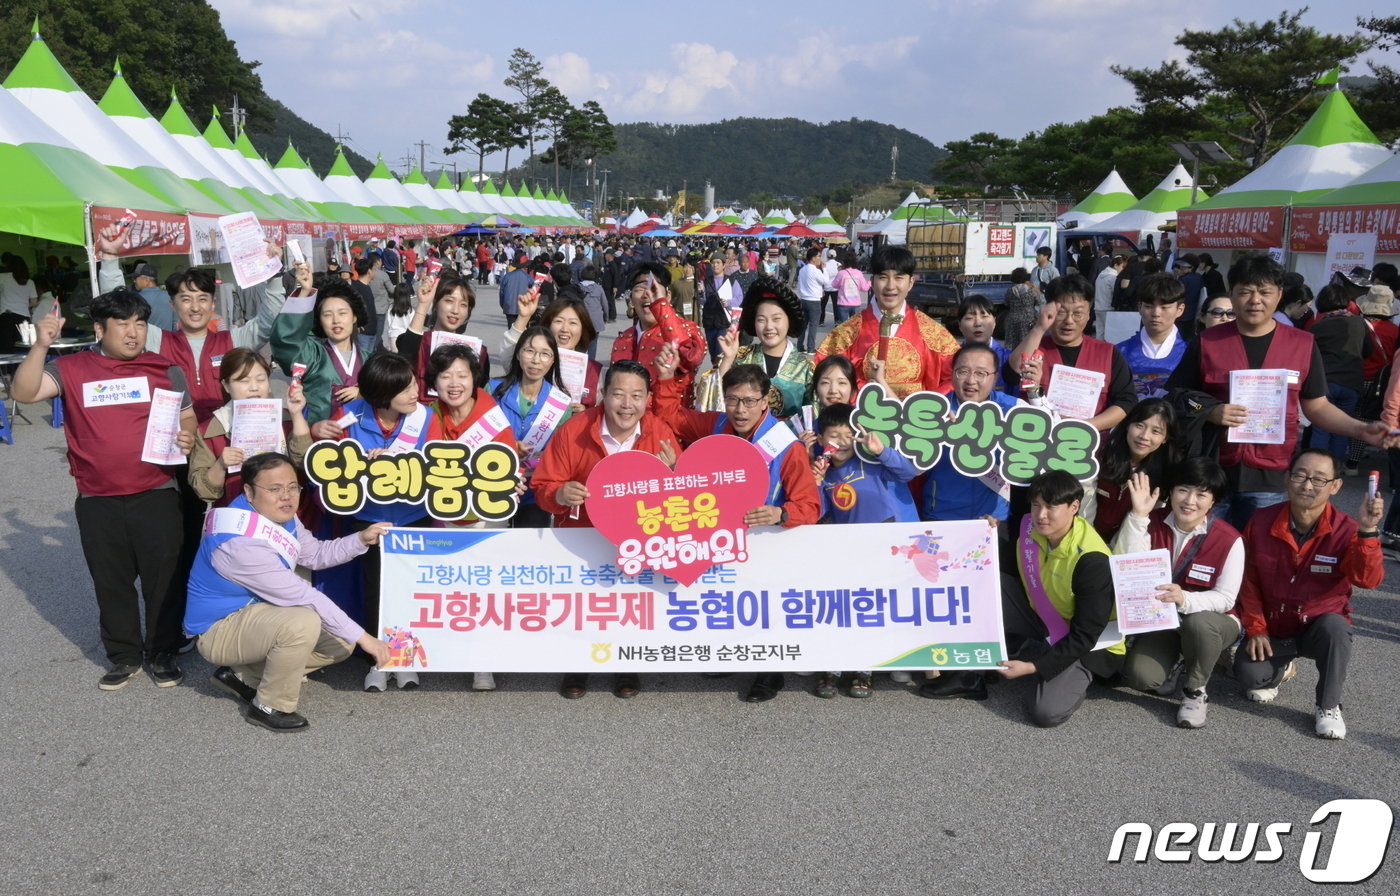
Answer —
782 516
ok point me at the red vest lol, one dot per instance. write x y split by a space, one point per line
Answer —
106 426
1112 503
1206 563
1297 588
1094 354
1222 350
202 378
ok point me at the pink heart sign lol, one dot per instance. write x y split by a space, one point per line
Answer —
678 522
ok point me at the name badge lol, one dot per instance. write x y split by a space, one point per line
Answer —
1198 575
131 390
216 361
1321 567
1323 558
1293 377
1201 567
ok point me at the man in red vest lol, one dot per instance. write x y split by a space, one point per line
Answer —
128 510
1105 398
1303 557
1255 341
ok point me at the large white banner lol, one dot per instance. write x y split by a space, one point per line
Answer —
887 595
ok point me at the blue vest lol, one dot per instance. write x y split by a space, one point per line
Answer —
1150 374
777 495
211 596
366 431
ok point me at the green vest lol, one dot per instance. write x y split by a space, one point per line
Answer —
1057 568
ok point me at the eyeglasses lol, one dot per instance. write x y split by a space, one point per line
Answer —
1075 316
747 403
280 491
1220 312
542 353
965 373
1318 482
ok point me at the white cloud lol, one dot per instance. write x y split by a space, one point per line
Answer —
574 75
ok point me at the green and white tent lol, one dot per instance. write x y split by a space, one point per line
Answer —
1109 198
1156 208
826 225
347 188
182 130
386 188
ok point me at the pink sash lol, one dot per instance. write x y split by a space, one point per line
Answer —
1035 587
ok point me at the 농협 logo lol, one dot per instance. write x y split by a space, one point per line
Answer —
1359 843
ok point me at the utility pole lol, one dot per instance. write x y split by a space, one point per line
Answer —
422 154
237 116
894 161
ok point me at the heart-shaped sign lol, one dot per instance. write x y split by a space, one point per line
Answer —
683 521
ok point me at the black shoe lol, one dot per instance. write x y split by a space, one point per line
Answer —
765 687
955 684
186 645
165 671
118 676
572 687
227 679
627 685
273 720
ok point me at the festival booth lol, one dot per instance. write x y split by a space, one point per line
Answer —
1261 210
1109 198
1353 226
827 226
1144 219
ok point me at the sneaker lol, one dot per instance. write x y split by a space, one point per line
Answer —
1268 695
483 681
1173 680
118 677
377 680
186 645
165 672
1192 713
861 685
826 685
1330 725
405 679
901 677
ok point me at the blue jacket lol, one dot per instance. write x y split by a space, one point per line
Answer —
862 491
513 284
211 596
949 495
366 431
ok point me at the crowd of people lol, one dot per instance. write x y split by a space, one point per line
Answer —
722 337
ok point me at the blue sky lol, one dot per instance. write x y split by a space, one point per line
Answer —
390 75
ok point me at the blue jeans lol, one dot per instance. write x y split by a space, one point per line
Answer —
814 310
1344 399
845 311
1236 509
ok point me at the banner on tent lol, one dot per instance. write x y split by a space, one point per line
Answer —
1230 228
151 233
1313 226
884 595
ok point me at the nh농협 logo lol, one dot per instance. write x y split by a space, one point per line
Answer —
1359 842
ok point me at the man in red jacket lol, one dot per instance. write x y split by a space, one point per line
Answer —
620 423
1303 557
657 324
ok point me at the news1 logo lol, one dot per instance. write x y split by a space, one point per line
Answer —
1359 843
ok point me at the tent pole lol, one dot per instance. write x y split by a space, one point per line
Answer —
1287 236
89 246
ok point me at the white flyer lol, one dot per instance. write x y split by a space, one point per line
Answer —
1135 580
1075 392
161 428
256 427
1264 396
441 338
573 369
247 249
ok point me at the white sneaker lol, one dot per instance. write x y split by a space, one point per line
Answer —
1268 695
1173 681
405 679
376 680
1192 713
483 681
901 677
1330 724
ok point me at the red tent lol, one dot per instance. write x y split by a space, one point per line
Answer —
801 230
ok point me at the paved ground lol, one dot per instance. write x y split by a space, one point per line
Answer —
683 790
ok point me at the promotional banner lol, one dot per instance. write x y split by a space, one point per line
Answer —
1313 227
1346 251
145 232
876 596
1229 228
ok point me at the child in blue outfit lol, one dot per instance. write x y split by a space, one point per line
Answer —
856 490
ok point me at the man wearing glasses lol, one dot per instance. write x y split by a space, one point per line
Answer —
1059 335
254 618
1321 553
1255 341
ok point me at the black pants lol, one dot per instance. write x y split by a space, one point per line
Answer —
126 537
1327 639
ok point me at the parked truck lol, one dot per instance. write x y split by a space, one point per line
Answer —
976 254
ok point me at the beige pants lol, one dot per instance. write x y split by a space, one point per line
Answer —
272 648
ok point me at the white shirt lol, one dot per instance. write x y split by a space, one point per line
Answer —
811 283
1132 537
613 446
1152 349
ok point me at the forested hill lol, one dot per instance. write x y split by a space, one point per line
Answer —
742 156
